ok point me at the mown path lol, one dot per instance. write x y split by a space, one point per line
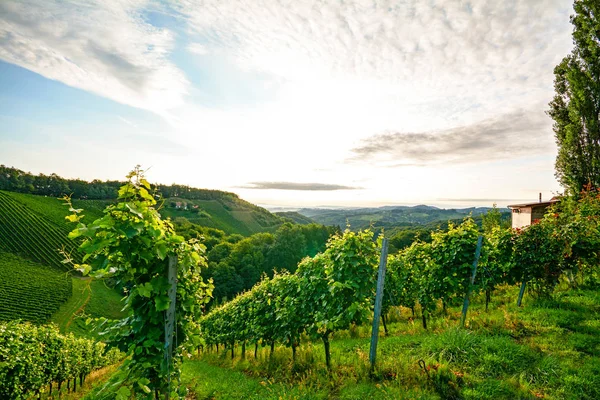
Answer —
75 305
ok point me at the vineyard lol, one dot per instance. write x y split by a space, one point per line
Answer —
52 208
29 234
30 291
34 359
334 291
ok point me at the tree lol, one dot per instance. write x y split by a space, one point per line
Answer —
575 108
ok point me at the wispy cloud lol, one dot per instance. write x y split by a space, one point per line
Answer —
104 47
521 133
298 186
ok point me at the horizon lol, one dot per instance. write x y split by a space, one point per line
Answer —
355 104
275 207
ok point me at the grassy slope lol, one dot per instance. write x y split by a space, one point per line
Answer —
295 217
545 350
42 289
238 218
91 299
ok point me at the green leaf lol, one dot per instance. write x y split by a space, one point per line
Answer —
162 303
161 250
145 290
145 388
123 393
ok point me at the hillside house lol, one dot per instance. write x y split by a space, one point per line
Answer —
528 213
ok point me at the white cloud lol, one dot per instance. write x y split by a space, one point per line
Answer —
104 47
197 48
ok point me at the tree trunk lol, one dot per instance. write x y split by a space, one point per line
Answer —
412 308
488 298
69 385
444 307
243 350
50 391
59 387
272 349
217 348
327 353
294 351
74 384
255 349
232 350
424 319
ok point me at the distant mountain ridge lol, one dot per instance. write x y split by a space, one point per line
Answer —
390 216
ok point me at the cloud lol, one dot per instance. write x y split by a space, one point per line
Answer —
197 48
512 135
481 42
104 47
298 186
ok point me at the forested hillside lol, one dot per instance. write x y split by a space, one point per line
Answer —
210 208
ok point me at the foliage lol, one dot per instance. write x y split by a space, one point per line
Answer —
327 293
400 282
30 291
493 219
452 254
238 266
132 244
32 357
575 108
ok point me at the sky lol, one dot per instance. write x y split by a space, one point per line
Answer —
289 102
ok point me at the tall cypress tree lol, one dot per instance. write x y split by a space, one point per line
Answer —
575 108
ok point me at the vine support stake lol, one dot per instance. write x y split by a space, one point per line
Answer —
463 318
521 292
378 302
170 316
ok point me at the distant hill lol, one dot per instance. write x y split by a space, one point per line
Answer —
295 217
229 214
389 217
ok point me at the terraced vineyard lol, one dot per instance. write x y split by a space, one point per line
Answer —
31 235
52 208
31 291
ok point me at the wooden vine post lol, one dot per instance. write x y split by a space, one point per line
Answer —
521 292
170 314
378 303
463 318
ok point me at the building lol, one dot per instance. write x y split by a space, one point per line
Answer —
527 214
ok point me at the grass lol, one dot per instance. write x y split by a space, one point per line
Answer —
91 299
547 349
238 218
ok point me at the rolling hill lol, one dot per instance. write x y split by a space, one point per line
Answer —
390 217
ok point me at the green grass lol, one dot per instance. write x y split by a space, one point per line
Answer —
230 218
30 291
91 299
547 349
